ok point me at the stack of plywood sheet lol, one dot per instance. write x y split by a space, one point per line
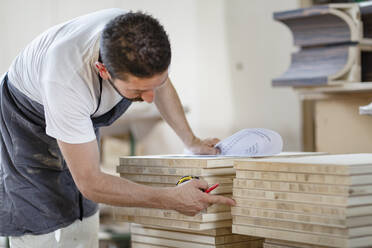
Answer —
317 200
275 243
155 237
165 171
211 228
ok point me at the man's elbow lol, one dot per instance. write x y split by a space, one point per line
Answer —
89 187
88 193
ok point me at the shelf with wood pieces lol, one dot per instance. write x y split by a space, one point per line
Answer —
329 24
335 45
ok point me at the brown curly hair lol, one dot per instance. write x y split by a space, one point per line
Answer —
135 43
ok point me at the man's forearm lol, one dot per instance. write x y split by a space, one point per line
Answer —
121 192
83 162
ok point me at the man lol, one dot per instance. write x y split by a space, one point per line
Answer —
68 82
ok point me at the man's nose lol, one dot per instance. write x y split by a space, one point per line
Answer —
148 96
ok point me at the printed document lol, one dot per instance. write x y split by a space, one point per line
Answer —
252 142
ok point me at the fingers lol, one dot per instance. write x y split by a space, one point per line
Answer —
200 184
207 150
204 147
190 200
218 199
209 146
211 141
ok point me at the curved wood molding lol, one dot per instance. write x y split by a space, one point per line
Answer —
321 66
320 25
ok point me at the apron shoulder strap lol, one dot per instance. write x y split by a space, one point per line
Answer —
100 94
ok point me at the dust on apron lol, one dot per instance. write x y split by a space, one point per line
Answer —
37 192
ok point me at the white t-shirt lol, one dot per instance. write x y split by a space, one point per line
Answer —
57 70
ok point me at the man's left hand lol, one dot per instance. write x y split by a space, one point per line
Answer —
204 147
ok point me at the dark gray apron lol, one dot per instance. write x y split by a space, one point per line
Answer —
37 192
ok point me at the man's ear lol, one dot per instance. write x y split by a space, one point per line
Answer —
102 70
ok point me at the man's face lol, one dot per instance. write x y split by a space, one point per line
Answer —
140 89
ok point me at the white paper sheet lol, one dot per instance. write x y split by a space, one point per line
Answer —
254 142
366 110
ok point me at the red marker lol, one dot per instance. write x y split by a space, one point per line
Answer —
211 188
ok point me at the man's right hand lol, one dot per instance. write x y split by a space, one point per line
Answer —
189 199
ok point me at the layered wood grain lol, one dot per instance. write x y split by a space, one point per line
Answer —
150 236
165 171
320 201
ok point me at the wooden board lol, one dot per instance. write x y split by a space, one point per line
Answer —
153 168
313 208
321 240
184 161
170 238
325 164
144 245
301 177
329 230
293 197
293 207
356 226
174 179
178 244
169 171
177 224
179 161
170 214
233 238
281 215
275 243
215 208
211 232
319 189
190 237
317 239
222 189
339 190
